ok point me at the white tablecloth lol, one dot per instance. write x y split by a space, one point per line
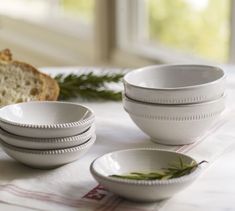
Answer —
71 187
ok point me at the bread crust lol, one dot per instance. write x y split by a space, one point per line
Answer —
5 55
52 88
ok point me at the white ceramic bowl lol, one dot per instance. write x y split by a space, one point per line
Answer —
44 119
46 143
140 160
175 84
46 159
174 124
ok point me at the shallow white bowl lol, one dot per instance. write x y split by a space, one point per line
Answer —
46 159
174 124
46 119
175 84
46 143
140 160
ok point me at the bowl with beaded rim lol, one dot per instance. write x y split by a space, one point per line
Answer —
141 160
174 124
46 119
46 143
47 159
175 84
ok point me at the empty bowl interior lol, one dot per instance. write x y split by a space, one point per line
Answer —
137 160
42 113
173 76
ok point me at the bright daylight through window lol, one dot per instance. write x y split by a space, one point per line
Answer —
60 13
198 27
154 30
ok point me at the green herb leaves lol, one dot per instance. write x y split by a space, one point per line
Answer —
173 171
88 86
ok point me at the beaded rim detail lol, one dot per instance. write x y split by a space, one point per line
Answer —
176 118
175 101
88 143
90 119
84 135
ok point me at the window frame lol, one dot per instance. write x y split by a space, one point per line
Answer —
61 24
232 33
48 42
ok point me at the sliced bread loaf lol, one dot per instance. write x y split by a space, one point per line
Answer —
21 82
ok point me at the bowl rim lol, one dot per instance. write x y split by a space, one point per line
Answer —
126 82
187 105
82 122
88 143
88 132
181 179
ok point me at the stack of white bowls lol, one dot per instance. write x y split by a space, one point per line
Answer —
174 104
46 134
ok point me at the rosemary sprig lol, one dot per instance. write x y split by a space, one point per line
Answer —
173 171
88 85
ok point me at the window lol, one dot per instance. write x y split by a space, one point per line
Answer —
70 16
176 30
120 32
48 32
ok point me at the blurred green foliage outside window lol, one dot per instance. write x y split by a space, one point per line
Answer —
199 27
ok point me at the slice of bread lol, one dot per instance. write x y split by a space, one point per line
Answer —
21 82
